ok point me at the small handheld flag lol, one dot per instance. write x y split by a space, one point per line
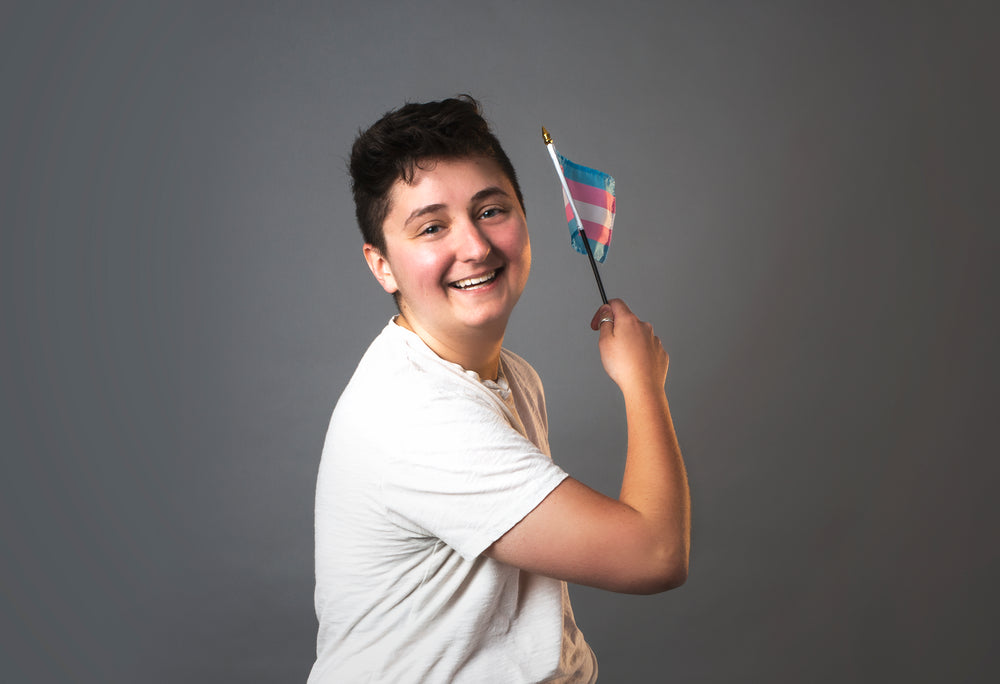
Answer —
589 195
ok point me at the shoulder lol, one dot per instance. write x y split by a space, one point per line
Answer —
519 372
394 361
402 380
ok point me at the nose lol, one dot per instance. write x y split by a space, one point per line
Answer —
473 245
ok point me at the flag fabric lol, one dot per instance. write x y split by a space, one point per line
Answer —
593 194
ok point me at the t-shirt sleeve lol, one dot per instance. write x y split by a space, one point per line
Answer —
461 473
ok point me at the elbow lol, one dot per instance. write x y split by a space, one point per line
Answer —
673 578
668 569
665 581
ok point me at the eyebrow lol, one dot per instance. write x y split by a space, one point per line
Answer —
417 213
488 192
478 197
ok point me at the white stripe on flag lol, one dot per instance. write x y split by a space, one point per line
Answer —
591 212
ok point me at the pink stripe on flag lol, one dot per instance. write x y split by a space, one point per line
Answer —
598 232
595 230
590 194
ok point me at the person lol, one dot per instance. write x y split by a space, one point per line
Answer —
445 534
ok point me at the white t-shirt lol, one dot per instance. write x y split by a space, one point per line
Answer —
423 468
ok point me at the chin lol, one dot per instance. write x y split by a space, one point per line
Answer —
488 319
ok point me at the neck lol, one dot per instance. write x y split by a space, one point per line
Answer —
477 350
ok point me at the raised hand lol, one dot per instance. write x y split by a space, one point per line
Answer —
632 354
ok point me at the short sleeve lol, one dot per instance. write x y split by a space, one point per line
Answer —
461 473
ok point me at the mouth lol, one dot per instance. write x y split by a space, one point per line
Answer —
475 282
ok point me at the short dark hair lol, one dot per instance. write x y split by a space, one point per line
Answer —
394 147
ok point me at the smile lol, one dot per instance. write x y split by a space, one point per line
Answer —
478 281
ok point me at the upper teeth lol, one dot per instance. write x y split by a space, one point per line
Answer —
469 282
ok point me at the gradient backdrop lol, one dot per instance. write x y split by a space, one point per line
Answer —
808 213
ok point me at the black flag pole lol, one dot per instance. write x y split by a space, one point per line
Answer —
593 265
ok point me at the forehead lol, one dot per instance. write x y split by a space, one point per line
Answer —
447 181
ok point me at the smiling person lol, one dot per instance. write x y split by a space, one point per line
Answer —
445 533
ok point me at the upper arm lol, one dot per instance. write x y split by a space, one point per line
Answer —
580 535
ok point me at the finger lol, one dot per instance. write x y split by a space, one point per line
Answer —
618 306
606 329
604 315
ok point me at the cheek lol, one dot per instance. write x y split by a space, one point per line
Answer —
424 270
517 247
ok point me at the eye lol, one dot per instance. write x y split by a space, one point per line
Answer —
431 229
491 212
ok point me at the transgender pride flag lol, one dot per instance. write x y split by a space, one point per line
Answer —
593 194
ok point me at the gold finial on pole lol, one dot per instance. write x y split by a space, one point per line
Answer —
546 137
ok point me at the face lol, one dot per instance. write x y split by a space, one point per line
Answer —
457 249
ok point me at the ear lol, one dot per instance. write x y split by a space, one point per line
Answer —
380 268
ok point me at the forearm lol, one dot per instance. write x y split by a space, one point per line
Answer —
655 482
638 543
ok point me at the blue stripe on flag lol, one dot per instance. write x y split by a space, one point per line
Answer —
585 174
599 249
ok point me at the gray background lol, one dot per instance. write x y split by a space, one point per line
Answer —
807 213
